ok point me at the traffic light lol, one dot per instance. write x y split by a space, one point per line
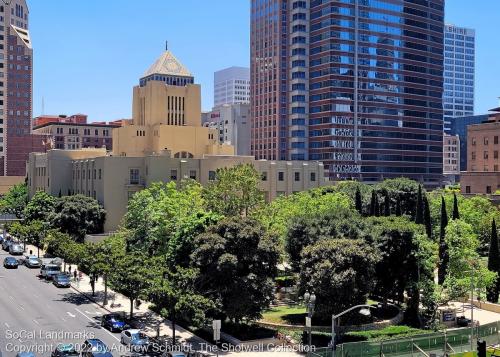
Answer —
481 348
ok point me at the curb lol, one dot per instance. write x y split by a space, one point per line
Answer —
90 298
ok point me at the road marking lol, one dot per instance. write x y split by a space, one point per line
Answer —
21 307
35 321
6 325
11 297
88 318
70 314
62 318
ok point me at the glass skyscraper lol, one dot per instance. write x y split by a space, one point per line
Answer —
459 71
357 84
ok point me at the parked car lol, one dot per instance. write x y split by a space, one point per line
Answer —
61 280
65 350
113 322
134 338
49 271
95 348
463 321
6 244
32 262
16 249
10 263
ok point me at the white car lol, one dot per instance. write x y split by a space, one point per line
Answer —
134 338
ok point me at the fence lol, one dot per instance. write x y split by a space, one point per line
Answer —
439 343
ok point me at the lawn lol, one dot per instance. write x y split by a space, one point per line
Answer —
289 315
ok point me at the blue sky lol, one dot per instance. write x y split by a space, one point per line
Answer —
89 54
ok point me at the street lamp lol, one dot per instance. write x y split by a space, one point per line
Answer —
310 301
365 311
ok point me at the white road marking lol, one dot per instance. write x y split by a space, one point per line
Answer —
6 325
88 318
35 321
70 314
11 297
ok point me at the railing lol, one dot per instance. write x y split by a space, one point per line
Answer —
439 343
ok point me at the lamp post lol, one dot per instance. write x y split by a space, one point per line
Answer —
310 301
365 311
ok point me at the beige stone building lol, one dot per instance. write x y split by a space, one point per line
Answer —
163 142
451 158
483 157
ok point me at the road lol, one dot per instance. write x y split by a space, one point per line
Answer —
35 314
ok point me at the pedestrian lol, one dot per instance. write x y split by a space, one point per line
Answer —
31 252
80 275
75 274
69 269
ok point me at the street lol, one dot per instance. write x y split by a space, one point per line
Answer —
35 314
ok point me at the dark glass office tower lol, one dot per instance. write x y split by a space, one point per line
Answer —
358 85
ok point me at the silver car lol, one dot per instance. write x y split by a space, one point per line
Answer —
16 249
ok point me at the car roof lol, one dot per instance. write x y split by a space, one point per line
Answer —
133 331
10 258
95 341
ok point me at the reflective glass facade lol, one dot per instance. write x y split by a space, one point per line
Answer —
360 85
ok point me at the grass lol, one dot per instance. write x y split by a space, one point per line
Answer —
387 333
289 315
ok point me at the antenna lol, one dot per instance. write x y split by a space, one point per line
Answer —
43 105
166 45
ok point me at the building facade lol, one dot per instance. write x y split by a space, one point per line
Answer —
113 180
74 132
16 71
459 73
163 142
232 122
451 158
459 127
231 86
355 84
483 158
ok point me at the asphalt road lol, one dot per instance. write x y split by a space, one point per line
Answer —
37 315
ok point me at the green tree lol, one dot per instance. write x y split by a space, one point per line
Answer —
427 217
78 215
15 200
399 211
374 205
443 247
237 260
494 264
404 189
419 214
174 296
40 207
359 201
340 272
128 277
155 215
307 230
235 191
464 263
387 205
456 214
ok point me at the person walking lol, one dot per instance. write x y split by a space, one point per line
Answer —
69 269
75 273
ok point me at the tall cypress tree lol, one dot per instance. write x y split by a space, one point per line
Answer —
494 264
427 217
456 214
387 205
359 201
377 206
419 214
443 248
373 203
398 207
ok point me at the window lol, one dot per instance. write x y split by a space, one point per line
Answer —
297 176
264 176
488 189
100 174
485 140
130 194
313 176
281 176
211 175
467 189
495 154
134 176
473 141
495 139
192 174
473 155
485 155
173 175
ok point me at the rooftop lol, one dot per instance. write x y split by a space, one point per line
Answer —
168 65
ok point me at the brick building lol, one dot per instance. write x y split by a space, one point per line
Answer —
483 158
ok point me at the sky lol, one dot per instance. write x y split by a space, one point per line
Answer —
89 54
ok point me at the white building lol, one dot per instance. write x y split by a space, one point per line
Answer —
233 124
451 158
232 85
459 73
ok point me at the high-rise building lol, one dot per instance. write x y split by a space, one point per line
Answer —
459 72
459 127
357 84
232 86
16 61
